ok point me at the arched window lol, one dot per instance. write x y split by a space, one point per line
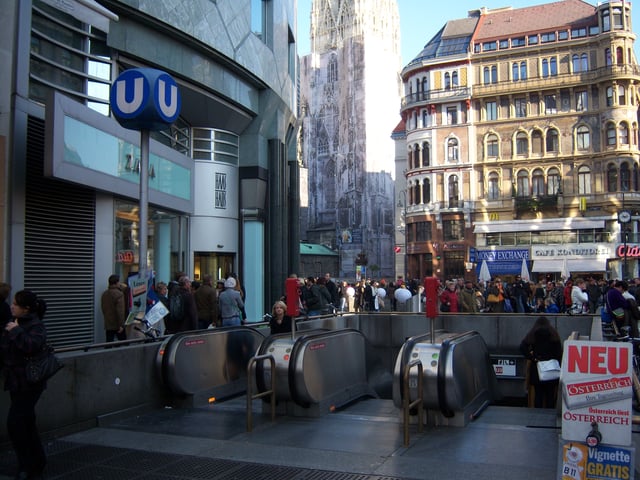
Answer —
494 74
522 143
452 150
486 76
492 145
425 118
553 181
523 70
536 142
410 158
575 63
414 197
606 20
553 66
493 186
447 81
611 134
625 177
537 183
612 178
515 72
579 63
426 191
607 57
545 67
426 154
621 95
623 133
425 87
522 189
454 79
552 140
453 192
584 181
619 56
583 138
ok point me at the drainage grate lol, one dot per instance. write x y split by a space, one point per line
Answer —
71 461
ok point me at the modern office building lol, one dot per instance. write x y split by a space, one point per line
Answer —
222 179
522 144
350 92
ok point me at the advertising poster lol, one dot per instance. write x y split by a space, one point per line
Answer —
596 385
138 288
604 462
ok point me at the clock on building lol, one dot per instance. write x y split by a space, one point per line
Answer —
624 216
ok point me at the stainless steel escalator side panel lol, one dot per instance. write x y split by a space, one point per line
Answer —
329 368
280 346
457 371
468 372
419 347
203 360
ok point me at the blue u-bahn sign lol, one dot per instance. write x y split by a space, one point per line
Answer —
145 99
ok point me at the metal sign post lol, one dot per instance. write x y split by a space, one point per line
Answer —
144 99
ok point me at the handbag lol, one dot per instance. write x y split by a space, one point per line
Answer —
493 298
618 313
42 366
548 370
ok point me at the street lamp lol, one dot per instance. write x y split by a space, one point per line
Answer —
402 202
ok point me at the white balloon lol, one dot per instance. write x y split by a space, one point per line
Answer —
351 291
381 292
402 294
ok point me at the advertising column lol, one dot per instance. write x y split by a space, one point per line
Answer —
597 390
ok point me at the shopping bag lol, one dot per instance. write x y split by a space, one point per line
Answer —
548 370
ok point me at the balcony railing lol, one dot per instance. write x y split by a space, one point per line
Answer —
565 80
435 95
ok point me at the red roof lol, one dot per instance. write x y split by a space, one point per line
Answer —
504 23
401 127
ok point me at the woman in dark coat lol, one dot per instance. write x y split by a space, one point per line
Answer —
542 343
23 336
280 322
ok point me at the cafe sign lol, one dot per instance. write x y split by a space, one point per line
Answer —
574 251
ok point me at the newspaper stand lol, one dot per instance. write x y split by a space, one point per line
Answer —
596 387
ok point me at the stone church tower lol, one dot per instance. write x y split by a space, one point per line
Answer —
350 98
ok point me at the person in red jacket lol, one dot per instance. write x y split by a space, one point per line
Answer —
449 298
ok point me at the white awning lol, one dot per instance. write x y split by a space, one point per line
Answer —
590 265
547 266
574 223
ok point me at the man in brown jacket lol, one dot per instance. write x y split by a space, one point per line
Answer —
113 310
207 303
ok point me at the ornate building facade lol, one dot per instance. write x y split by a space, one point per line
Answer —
521 131
349 102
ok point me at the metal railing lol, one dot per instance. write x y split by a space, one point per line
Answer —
407 404
271 392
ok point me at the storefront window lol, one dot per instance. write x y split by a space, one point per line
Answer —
166 247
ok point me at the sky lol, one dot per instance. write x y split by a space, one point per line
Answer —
420 20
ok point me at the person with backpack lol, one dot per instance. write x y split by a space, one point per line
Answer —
183 312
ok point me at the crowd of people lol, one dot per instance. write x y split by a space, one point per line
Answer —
573 296
190 305
321 295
